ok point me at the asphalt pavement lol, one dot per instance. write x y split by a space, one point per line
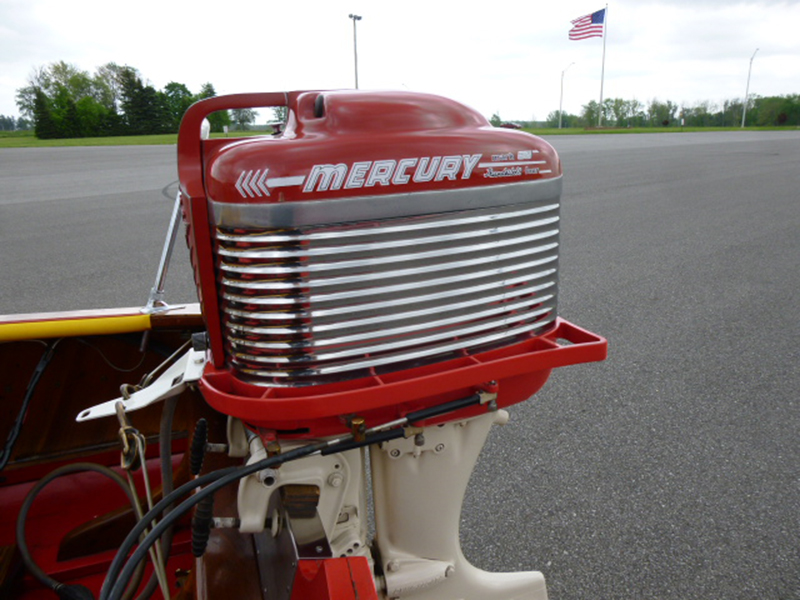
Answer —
669 472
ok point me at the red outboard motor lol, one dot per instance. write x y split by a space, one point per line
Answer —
384 272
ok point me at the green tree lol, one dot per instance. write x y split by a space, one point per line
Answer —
280 114
699 115
495 120
242 118
107 85
731 114
177 98
608 112
95 119
72 105
619 111
45 127
661 114
220 119
69 125
143 108
590 114
775 111
67 76
38 81
567 120
114 101
636 116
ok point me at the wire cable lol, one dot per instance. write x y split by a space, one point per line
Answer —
219 479
165 502
65 591
8 449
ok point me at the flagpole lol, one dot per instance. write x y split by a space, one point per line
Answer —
603 69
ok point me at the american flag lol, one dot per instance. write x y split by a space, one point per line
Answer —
588 26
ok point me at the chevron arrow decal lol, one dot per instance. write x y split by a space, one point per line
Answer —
254 184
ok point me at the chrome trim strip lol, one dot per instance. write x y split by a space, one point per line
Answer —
373 261
277 238
365 277
404 301
455 270
378 361
387 289
380 207
354 337
267 254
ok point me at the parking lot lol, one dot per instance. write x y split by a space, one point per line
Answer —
669 472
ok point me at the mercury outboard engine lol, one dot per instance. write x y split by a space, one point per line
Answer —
381 275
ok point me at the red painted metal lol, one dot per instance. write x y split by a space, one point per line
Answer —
334 579
356 127
192 153
61 506
348 128
362 127
519 370
197 230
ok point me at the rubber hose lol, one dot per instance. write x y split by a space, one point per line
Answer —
198 449
165 456
42 577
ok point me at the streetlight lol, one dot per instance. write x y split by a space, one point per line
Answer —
561 100
355 44
747 90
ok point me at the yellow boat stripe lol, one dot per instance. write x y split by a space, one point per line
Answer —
56 328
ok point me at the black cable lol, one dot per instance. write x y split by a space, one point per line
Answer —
216 480
64 591
197 450
374 438
162 505
192 501
165 456
23 411
440 409
219 480
201 526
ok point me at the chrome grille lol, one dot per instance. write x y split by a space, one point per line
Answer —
312 304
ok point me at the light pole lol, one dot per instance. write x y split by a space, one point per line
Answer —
355 44
747 90
561 100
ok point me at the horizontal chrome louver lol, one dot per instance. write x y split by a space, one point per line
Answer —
313 304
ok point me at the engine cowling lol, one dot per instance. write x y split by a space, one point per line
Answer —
386 251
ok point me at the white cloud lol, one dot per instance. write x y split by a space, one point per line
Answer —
506 57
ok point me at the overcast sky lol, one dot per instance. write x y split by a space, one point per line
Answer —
504 56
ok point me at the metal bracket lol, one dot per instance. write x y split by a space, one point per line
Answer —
156 303
186 370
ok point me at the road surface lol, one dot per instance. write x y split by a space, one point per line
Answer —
669 472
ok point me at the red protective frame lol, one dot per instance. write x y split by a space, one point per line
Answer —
520 371
192 150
